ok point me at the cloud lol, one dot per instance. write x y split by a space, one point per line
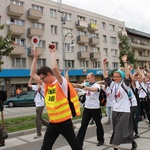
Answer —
135 13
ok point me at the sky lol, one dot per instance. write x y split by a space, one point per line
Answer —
135 13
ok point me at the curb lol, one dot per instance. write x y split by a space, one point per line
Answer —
30 131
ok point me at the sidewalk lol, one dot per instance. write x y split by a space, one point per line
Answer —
27 142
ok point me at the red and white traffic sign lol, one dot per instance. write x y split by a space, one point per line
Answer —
35 41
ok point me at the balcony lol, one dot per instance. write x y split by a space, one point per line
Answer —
95 55
34 14
40 51
143 58
92 27
81 24
83 54
82 39
34 32
18 50
14 10
16 29
140 46
94 41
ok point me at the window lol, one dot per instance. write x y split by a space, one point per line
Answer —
41 44
38 25
140 53
115 65
67 47
18 62
41 62
53 29
104 38
96 64
53 13
95 35
103 25
112 27
82 33
19 3
113 40
67 30
81 18
95 49
37 8
120 28
69 63
114 52
67 16
56 44
84 64
93 21
17 21
19 41
105 51
83 48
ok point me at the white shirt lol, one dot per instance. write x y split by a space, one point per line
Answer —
39 100
141 92
121 102
110 97
92 98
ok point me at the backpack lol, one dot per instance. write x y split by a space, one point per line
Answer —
102 97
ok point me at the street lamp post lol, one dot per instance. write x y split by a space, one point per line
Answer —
63 22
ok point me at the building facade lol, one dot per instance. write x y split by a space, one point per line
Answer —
95 37
140 44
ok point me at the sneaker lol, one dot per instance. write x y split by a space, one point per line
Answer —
136 136
134 146
100 143
107 122
37 136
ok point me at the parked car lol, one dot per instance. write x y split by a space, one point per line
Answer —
80 92
23 99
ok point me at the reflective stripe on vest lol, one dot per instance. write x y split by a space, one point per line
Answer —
56 104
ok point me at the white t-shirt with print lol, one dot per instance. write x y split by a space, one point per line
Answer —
39 100
92 98
121 102
141 92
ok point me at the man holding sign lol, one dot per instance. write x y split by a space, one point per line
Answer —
56 100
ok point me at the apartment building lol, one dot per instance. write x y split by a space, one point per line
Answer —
140 44
95 37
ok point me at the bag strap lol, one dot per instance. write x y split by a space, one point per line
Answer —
41 94
143 89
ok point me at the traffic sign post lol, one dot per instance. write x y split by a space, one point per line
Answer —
35 41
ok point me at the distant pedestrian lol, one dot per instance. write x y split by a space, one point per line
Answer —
39 104
91 110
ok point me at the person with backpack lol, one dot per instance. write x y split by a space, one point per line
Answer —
60 99
39 104
121 115
91 110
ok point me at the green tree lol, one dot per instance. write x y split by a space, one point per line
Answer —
125 49
5 48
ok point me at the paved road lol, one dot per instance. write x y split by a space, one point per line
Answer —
19 112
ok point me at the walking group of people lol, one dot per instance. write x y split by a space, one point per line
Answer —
126 93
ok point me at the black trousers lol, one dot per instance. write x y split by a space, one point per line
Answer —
146 107
55 129
134 110
86 117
